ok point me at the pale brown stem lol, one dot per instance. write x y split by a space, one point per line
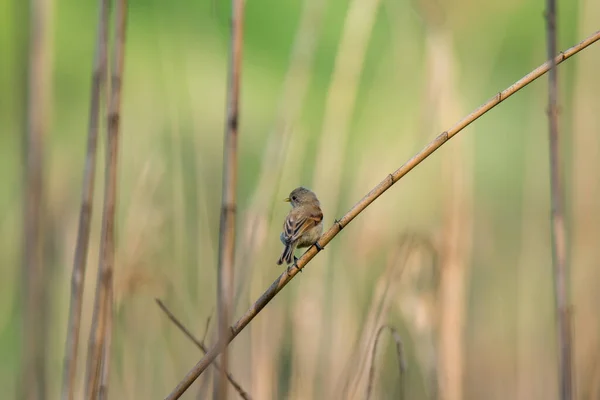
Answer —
105 374
102 316
228 206
34 272
205 327
377 191
584 191
457 218
557 217
200 344
85 214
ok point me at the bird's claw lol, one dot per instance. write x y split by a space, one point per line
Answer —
295 264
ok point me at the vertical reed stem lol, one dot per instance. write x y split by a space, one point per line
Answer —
228 204
102 317
559 234
34 272
85 213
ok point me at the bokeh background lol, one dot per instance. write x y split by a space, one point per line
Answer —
335 95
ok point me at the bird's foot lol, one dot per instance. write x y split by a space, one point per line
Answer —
295 264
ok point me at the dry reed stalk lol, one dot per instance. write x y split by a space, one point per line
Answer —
584 205
296 84
34 270
228 205
206 328
102 316
530 377
557 217
418 299
329 164
377 191
85 214
106 351
200 344
457 218
399 355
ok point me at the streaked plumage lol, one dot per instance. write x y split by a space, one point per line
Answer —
303 226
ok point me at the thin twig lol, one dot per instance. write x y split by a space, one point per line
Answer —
205 327
85 215
559 233
34 272
399 355
384 185
102 317
200 344
228 205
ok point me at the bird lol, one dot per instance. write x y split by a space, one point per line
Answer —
303 226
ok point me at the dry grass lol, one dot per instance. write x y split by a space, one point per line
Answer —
383 186
169 197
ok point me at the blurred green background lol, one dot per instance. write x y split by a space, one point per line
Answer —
335 95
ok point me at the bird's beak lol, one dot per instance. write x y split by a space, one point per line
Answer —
287 200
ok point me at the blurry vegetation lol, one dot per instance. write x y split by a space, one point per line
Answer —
170 177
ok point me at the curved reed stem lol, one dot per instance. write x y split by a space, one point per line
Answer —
370 197
399 355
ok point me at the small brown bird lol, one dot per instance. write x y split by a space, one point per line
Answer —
303 226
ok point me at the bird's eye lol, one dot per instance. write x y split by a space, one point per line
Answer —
294 198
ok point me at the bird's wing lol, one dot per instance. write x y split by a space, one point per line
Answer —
297 223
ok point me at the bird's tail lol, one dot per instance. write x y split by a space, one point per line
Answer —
288 255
